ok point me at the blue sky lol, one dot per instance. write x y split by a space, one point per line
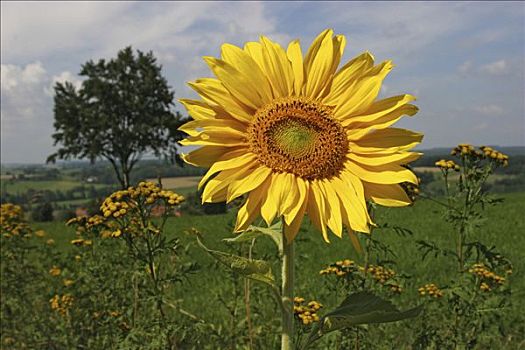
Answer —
463 60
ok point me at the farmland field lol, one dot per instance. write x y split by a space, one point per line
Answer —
52 185
178 182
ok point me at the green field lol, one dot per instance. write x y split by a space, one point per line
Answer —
503 228
20 186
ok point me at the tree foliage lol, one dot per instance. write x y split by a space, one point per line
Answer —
123 109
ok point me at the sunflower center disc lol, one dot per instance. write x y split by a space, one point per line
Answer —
299 136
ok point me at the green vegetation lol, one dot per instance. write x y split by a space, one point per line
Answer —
205 303
504 227
21 186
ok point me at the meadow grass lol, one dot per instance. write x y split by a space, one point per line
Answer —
503 228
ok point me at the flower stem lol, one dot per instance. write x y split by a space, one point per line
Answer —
247 300
287 252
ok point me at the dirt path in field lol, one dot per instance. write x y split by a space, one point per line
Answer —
178 182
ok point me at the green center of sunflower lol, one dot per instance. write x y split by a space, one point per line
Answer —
294 137
299 136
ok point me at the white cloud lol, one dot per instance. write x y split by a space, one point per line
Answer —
497 68
489 110
500 67
483 37
481 126
65 76
465 67
33 29
23 96
400 29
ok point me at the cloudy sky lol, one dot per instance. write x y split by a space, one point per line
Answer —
464 61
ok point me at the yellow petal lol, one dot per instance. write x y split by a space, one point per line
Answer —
254 49
334 212
348 76
212 90
219 183
296 58
385 174
352 206
387 140
382 159
192 127
271 203
318 67
201 110
224 137
237 84
277 67
359 98
314 48
289 193
299 195
387 195
246 65
339 43
198 110
290 230
235 159
357 131
247 184
377 110
205 156
250 210
317 209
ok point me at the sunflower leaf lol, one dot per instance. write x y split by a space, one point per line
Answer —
274 232
258 270
359 308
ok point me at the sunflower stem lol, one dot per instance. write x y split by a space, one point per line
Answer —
287 253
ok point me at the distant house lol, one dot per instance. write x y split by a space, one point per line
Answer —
91 179
81 211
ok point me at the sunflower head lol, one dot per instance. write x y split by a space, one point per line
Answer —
299 136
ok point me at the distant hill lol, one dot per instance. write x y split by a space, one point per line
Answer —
508 150
427 153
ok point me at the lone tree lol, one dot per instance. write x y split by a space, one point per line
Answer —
122 110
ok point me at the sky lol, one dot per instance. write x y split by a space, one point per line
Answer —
464 61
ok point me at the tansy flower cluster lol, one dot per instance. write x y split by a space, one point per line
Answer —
122 211
85 222
55 271
465 149
68 282
488 278
497 156
484 152
447 165
430 290
40 233
306 312
340 268
12 221
120 202
81 242
61 304
380 274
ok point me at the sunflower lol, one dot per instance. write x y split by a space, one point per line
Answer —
299 136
